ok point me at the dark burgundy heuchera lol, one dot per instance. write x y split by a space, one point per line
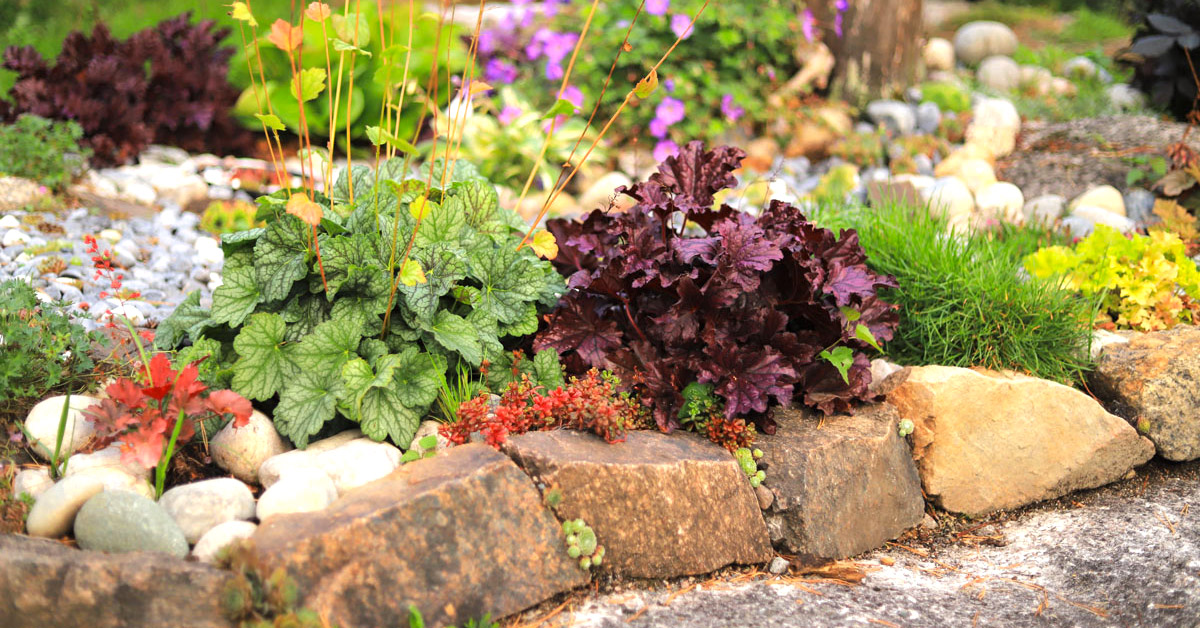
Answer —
745 304
103 84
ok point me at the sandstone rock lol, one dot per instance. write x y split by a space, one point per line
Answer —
42 424
32 482
975 41
1000 201
661 505
1045 209
999 72
994 126
897 116
986 441
844 486
1101 216
121 521
200 506
938 54
242 450
44 583
109 457
952 199
300 490
881 369
977 174
1151 381
54 512
219 537
272 468
358 462
469 522
1105 197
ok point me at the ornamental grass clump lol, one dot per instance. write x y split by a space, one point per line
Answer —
675 291
962 300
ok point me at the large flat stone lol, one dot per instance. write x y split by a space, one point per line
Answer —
986 441
1153 381
458 535
843 486
44 583
661 505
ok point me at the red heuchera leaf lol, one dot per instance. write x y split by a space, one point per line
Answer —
127 393
162 377
144 445
229 402
746 304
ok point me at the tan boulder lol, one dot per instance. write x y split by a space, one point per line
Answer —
1152 379
986 441
661 505
458 535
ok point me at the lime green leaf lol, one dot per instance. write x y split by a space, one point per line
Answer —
547 369
342 46
241 12
272 121
480 204
262 368
842 358
188 319
236 297
454 333
850 313
382 137
419 207
359 377
411 273
445 222
307 402
646 86
352 27
281 257
863 333
561 108
526 325
312 83
444 267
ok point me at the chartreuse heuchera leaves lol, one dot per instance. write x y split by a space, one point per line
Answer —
467 295
677 291
1147 282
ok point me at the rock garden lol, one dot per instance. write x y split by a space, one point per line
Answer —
507 314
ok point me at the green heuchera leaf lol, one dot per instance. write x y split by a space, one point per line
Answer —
307 402
454 333
444 222
509 281
281 257
444 266
329 346
390 399
188 319
548 369
312 83
842 358
262 368
353 27
236 297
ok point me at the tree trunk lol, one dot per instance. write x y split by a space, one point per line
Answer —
879 52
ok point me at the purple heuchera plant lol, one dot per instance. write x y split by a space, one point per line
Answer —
746 304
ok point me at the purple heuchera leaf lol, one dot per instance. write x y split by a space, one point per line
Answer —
745 304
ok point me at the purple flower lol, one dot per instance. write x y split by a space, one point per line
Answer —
681 25
669 85
664 149
508 114
554 70
573 95
499 71
670 110
808 24
730 110
837 24
487 42
657 7
842 5
550 7
658 128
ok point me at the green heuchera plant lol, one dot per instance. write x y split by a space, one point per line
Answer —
323 333
1145 282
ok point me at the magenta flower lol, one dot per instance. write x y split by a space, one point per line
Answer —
837 24
499 71
681 25
670 110
664 149
573 95
808 24
730 110
508 114
658 128
657 7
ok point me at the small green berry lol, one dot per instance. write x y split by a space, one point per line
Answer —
573 551
585 562
572 539
596 560
758 453
755 482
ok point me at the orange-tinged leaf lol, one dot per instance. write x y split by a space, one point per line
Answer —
419 208
285 36
317 11
301 207
411 273
478 87
646 86
544 244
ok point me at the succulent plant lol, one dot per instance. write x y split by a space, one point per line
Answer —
905 428
748 461
582 544
252 600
